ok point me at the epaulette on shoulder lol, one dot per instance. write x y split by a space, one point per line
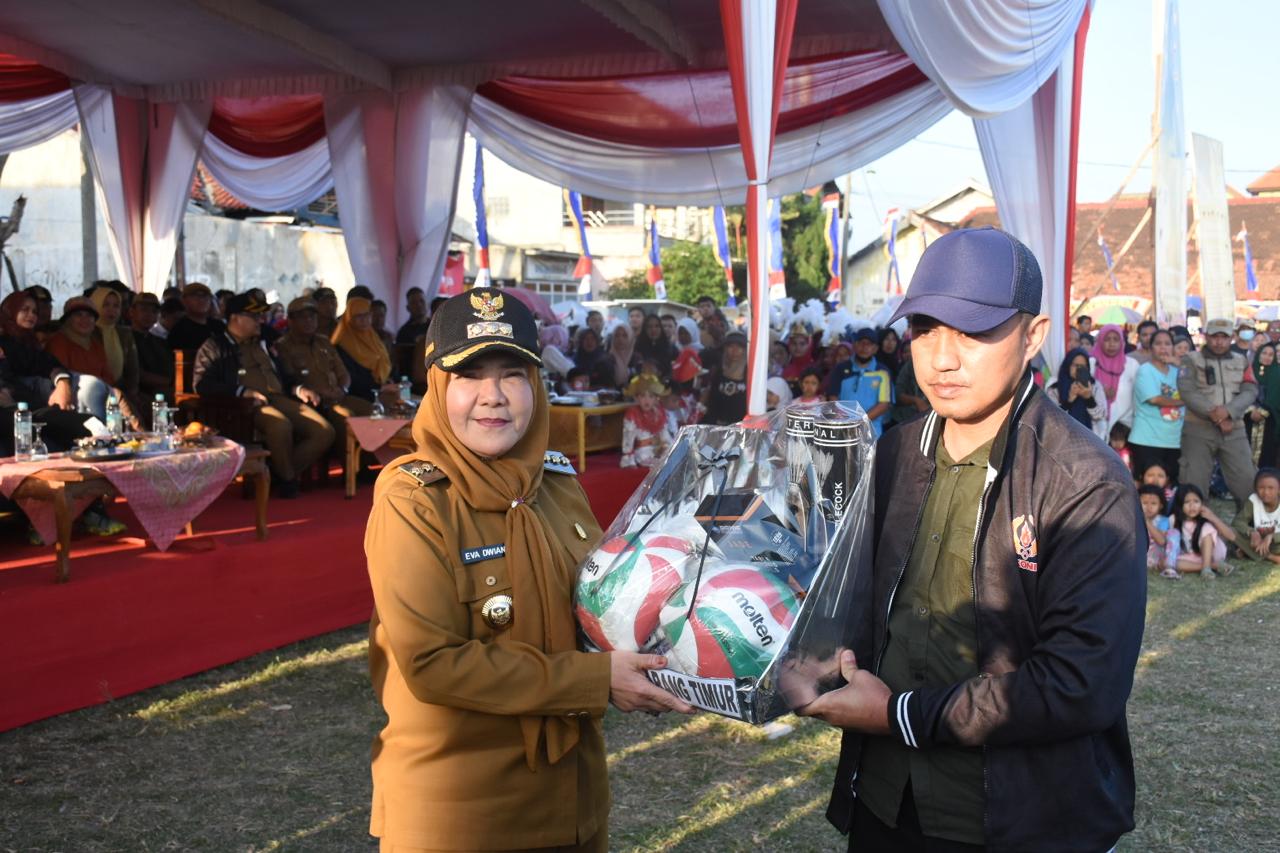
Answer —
557 462
424 472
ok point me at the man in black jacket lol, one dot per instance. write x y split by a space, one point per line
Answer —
987 681
236 362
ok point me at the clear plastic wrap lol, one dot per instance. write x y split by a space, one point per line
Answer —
739 558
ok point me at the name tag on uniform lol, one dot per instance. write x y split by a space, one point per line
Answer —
484 552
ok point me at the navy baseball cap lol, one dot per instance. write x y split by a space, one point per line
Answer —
866 335
973 280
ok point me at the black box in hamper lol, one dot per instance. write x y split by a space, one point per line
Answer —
740 558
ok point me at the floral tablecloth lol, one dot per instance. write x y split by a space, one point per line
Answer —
374 433
165 492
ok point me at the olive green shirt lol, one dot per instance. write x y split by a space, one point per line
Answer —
933 643
258 371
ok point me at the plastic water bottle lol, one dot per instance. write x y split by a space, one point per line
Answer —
22 433
406 390
115 423
160 416
1172 547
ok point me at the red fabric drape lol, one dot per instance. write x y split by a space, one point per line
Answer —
698 109
784 30
22 80
269 127
1077 84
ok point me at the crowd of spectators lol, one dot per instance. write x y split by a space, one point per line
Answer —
1189 419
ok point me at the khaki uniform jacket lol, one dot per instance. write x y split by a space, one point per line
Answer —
1233 385
325 372
449 768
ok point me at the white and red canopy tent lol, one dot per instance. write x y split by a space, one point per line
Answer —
664 101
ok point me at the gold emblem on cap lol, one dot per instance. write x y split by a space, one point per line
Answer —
496 611
488 306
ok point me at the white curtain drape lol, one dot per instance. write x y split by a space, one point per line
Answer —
987 56
27 123
116 127
430 127
703 176
143 159
270 183
175 133
395 170
361 139
1009 64
1026 152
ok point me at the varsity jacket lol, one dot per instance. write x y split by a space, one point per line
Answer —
217 368
1059 590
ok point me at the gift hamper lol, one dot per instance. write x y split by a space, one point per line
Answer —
739 559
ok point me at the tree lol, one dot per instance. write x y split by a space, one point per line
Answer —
633 285
804 247
691 272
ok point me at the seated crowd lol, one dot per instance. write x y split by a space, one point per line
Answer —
111 346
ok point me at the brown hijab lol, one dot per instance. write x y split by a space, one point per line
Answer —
541 577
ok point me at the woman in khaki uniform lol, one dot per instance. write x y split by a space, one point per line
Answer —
494 736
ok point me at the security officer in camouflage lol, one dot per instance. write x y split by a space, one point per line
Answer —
1218 386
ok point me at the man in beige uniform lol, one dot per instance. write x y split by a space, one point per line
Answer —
315 362
237 363
1218 386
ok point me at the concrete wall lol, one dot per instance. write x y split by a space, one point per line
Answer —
221 252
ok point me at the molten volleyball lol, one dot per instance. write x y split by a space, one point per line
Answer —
739 620
624 583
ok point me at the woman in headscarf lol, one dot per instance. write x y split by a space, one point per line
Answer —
1116 372
555 343
1081 395
777 393
494 734
688 335
30 375
121 349
35 377
620 363
1266 371
362 350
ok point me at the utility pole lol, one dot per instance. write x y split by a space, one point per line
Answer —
88 214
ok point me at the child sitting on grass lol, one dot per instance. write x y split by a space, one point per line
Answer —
1160 557
1204 536
1255 524
645 433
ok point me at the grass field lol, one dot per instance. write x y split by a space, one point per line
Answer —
271 753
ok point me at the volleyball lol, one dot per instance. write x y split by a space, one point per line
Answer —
624 583
738 623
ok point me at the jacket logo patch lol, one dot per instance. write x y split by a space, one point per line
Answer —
1024 543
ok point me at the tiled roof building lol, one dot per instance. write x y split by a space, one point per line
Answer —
1135 271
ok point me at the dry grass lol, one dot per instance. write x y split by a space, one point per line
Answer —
271 753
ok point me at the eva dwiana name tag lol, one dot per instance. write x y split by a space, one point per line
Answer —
484 552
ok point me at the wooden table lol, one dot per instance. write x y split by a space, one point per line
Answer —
64 486
402 441
578 430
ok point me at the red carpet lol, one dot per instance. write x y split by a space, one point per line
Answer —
133 617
